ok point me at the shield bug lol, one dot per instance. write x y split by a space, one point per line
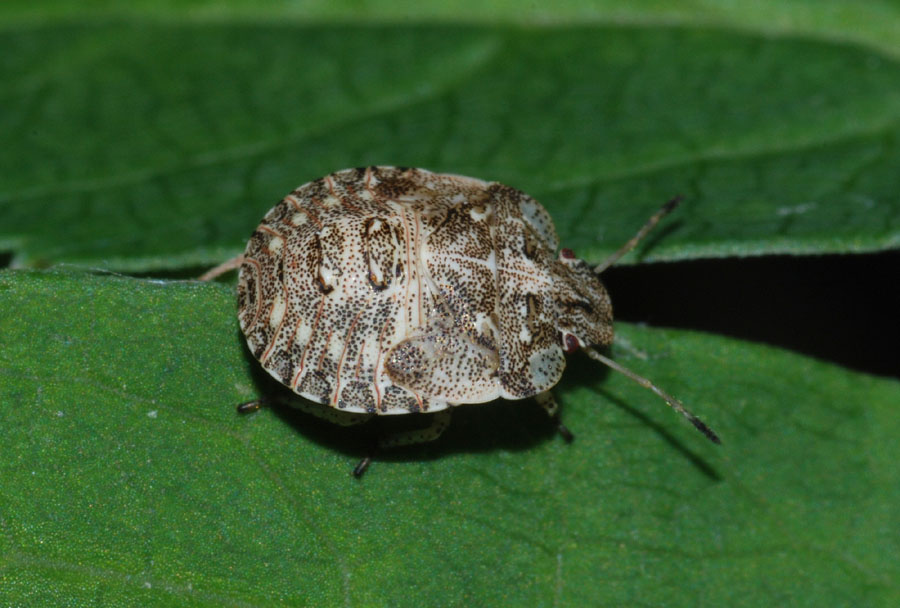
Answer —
386 290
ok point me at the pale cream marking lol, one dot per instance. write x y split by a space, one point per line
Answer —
479 216
419 268
343 353
365 195
278 309
258 299
536 360
495 267
325 349
277 331
295 203
374 197
410 268
275 244
296 379
293 337
336 199
374 271
376 373
328 276
359 358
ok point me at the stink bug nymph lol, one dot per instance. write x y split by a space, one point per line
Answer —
388 290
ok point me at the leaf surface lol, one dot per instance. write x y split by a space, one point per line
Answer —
128 478
147 145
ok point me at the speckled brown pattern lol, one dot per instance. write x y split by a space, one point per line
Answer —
391 291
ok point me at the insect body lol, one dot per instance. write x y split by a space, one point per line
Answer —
395 291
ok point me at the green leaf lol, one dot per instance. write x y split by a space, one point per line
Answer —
151 144
871 23
152 136
128 478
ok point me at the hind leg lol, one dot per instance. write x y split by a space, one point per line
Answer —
316 409
440 420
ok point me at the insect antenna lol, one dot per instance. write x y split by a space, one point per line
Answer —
653 221
674 403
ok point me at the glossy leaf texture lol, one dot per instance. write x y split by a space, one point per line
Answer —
147 145
129 479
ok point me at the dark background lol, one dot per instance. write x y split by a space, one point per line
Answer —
840 308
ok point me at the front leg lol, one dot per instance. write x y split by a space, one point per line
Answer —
547 401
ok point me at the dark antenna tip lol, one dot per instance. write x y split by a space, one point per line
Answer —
701 426
674 202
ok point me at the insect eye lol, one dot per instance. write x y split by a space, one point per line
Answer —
570 343
566 254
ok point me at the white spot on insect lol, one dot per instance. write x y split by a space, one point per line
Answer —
299 219
304 331
479 214
275 244
335 349
542 362
524 335
796 209
251 343
331 201
329 276
278 308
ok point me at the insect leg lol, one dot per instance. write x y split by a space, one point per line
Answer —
222 268
440 420
329 413
547 401
318 410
